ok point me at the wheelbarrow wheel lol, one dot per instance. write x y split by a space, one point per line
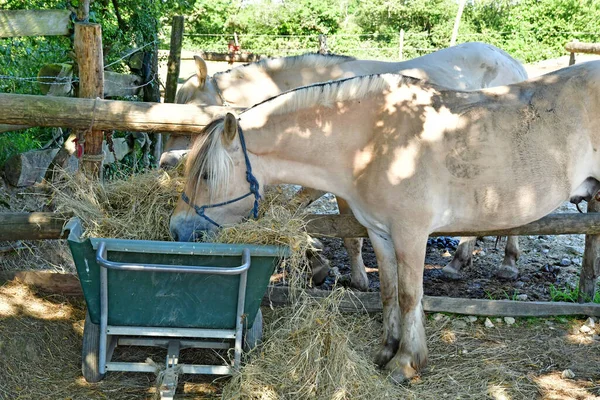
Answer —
91 351
253 336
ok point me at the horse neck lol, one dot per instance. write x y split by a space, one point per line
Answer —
291 150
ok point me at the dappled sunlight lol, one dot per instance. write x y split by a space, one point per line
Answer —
403 164
17 300
554 387
498 392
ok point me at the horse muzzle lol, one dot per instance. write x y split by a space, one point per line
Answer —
189 229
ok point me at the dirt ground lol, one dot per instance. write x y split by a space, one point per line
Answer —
41 336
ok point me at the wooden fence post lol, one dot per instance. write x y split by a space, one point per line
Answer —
401 45
461 6
323 44
174 63
88 48
590 269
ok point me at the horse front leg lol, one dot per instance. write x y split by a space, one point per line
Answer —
508 269
463 257
388 276
358 273
411 357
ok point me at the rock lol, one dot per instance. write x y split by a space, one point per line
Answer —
590 322
519 284
509 320
596 338
498 320
525 279
545 251
568 374
472 318
521 297
465 351
585 329
459 324
576 260
488 323
27 168
481 253
575 250
439 317
565 262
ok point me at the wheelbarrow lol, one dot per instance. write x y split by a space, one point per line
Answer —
169 294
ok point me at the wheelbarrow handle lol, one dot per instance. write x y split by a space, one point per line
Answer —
101 258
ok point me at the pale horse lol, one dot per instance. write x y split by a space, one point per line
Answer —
467 66
467 161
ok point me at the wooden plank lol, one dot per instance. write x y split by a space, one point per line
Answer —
14 23
46 281
10 128
182 119
590 269
88 48
370 302
238 57
553 224
31 226
578 47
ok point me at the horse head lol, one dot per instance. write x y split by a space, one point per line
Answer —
221 186
199 89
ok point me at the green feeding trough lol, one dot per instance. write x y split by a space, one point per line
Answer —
169 294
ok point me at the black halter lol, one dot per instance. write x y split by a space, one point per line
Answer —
254 189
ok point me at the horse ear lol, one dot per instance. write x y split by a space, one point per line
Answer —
230 128
201 69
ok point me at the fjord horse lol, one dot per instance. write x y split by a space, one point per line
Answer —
411 158
467 66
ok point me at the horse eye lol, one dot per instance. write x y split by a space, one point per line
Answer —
205 176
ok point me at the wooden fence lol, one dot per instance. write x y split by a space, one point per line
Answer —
579 47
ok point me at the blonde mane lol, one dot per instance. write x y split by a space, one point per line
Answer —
308 60
331 92
208 159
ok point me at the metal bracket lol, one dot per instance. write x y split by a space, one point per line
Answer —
170 375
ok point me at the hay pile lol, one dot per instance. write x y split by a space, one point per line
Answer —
138 207
311 352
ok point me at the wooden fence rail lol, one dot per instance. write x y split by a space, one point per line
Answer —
32 226
578 47
98 114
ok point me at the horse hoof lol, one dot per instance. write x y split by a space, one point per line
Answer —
384 355
402 374
360 284
507 272
451 273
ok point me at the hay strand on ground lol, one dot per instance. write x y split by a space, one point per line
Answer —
310 353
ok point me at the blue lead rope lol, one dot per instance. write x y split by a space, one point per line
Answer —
254 189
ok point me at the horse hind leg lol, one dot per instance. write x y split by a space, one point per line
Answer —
358 273
508 270
463 257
